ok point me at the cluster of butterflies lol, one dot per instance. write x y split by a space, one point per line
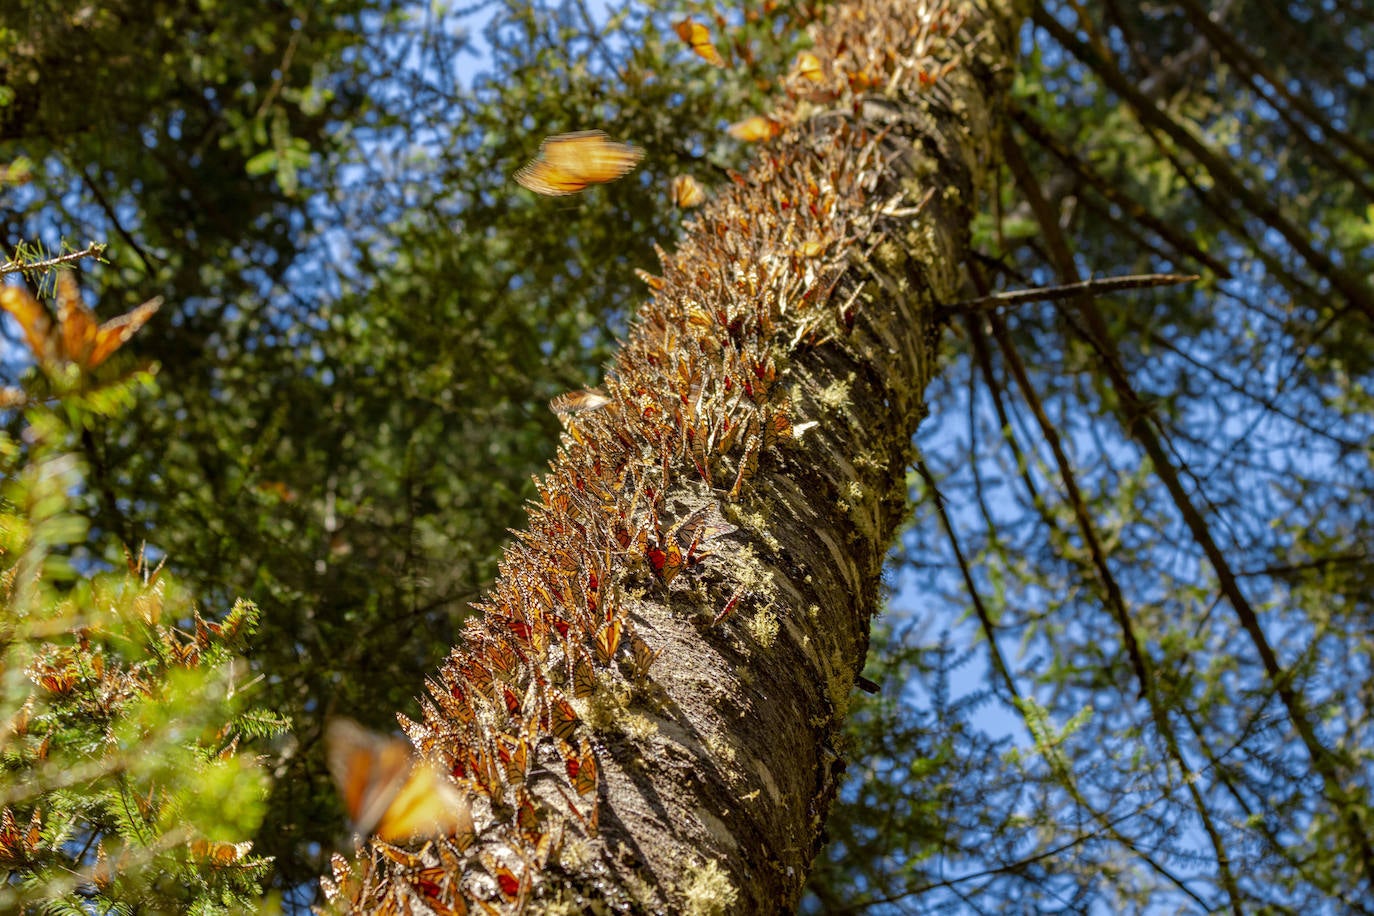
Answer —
389 793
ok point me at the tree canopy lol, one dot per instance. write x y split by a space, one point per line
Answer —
1127 658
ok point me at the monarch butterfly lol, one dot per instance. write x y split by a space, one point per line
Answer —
699 38
514 756
504 662
562 718
527 819
808 66
653 282
568 163
667 561
754 129
387 792
608 641
574 401
506 879
687 192
644 657
512 702
219 854
584 779
77 339
583 677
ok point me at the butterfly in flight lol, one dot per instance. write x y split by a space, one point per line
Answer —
569 163
76 337
698 37
687 192
576 401
389 793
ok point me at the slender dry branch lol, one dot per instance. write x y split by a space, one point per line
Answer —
1230 186
1112 192
1049 293
1116 603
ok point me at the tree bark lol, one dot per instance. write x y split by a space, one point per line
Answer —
646 717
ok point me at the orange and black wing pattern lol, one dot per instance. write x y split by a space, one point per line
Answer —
388 793
569 163
77 337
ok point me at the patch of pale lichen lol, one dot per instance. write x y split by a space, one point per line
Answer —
707 891
763 626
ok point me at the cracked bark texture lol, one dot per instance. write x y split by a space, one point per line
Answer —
696 586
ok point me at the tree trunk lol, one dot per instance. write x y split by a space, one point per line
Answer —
645 717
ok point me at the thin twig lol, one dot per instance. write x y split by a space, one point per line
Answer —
1048 293
15 265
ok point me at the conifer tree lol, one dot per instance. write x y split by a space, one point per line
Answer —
124 785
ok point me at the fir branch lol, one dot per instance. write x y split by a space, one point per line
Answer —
19 264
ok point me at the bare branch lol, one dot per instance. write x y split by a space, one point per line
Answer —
1049 293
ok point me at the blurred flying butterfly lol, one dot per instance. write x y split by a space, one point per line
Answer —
388 793
576 401
808 67
698 37
568 163
754 129
219 854
77 337
687 192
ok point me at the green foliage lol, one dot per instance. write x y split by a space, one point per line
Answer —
351 410
1227 140
369 318
122 783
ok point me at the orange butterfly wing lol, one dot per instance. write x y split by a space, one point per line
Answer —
699 38
562 719
569 163
608 641
78 338
687 192
754 129
583 678
388 794
574 401
32 318
116 332
808 67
